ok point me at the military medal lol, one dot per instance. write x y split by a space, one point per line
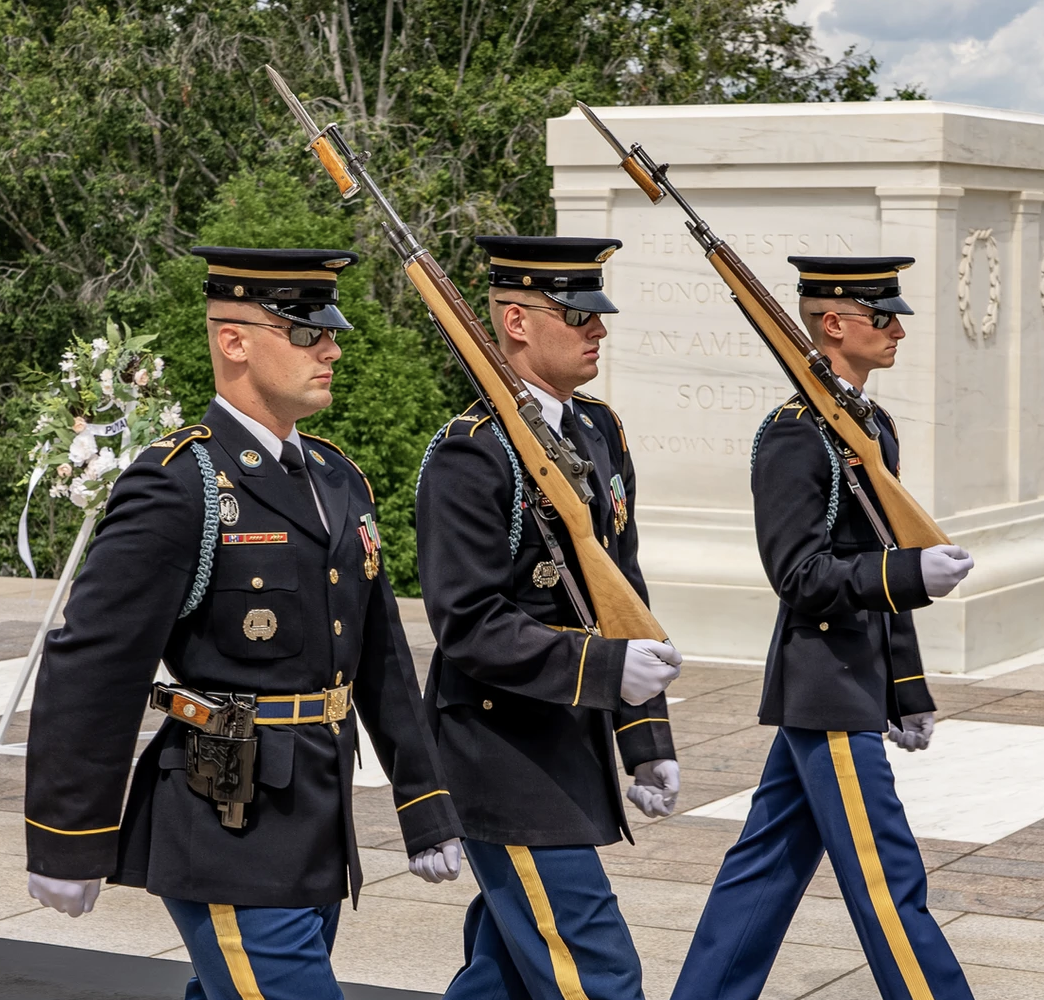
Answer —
371 544
619 503
228 508
260 623
251 459
545 574
223 482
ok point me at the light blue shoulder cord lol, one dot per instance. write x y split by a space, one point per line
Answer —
515 535
210 530
835 468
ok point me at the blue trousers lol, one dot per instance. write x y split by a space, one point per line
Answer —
834 791
258 952
546 926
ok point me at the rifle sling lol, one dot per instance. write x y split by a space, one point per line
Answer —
576 598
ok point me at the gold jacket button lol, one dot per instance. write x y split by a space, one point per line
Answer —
336 728
605 540
334 576
487 704
257 583
823 626
338 679
337 626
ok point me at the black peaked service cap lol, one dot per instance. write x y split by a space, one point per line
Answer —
298 285
567 269
870 281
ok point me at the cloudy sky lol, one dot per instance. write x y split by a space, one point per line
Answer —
985 52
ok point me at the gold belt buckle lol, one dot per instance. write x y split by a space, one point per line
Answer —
336 703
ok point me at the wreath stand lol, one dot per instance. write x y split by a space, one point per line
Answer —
31 661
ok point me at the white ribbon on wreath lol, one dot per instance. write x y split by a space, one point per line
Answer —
964 278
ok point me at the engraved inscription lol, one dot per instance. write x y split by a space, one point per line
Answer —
665 343
828 244
724 397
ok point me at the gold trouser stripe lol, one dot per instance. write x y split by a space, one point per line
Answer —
873 873
580 673
547 265
878 276
71 833
239 272
903 680
562 964
230 941
421 798
640 722
884 577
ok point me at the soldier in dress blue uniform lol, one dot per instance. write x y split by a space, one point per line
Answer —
283 604
843 667
524 702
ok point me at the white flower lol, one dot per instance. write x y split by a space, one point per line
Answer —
103 462
79 425
42 423
72 380
157 367
83 448
170 416
128 455
64 470
79 494
68 362
141 377
106 381
59 490
98 347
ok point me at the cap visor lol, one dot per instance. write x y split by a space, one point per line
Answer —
322 315
895 304
586 301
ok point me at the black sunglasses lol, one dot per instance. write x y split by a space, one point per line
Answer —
300 335
572 317
880 319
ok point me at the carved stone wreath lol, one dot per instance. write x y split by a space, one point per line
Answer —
964 276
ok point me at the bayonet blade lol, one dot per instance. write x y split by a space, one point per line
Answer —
295 106
605 133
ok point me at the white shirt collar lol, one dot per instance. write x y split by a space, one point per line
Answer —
271 441
549 406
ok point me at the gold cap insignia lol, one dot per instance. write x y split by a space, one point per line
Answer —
260 623
238 291
605 255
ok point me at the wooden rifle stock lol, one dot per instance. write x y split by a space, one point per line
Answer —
911 525
620 612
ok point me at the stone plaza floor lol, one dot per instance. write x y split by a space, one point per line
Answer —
975 800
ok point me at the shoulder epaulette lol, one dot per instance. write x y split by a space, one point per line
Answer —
176 440
326 441
469 421
586 398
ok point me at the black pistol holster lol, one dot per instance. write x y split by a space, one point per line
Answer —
220 748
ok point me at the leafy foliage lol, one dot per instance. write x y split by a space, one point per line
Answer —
134 129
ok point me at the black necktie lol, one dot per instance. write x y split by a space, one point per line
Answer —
571 430
292 460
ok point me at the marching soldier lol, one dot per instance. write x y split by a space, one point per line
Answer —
843 667
524 701
246 555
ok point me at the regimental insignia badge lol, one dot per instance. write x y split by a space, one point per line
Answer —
223 482
371 546
251 459
619 503
228 508
545 574
162 443
587 421
260 623
851 457
319 458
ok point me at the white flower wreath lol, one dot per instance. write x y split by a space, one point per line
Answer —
110 390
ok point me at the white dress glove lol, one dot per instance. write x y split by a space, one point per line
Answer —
66 895
916 732
440 863
943 567
649 667
655 788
